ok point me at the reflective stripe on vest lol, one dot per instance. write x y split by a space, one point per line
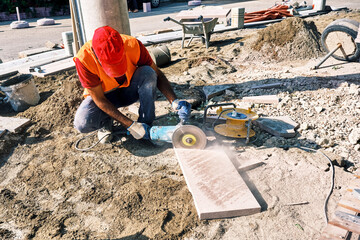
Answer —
87 57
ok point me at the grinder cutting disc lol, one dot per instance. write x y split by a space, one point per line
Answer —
190 137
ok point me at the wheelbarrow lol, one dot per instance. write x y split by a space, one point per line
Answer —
200 28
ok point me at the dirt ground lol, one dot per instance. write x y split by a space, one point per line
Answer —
134 190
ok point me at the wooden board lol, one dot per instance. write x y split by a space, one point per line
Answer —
334 232
13 124
216 186
350 202
346 221
52 68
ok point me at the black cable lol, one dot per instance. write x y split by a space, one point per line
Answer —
332 179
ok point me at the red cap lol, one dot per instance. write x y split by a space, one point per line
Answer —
109 49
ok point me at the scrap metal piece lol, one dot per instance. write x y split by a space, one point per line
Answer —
190 137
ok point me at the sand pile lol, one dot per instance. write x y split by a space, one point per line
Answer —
58 110
291 39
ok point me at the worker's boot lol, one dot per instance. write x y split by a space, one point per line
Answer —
105 133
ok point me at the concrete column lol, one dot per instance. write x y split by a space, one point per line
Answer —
98 13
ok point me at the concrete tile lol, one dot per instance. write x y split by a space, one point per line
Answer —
212 91
13 124
217 188
270 99
282 126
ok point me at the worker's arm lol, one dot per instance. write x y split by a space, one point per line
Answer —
97 94
163 84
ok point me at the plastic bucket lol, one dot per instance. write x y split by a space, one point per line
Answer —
21 91
319 5
160 55
68 39
147 7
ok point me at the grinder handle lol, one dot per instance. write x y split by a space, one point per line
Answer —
214 105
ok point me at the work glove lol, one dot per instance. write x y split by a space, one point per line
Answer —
139 130
183 108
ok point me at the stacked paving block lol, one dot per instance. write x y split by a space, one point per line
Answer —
237 17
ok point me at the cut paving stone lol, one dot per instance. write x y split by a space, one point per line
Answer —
31 52
212 91
248 160
215 184
52 68
269 99
163 31
282 126
13 124
24 63
51 45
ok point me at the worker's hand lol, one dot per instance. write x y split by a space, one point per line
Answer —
184 109
139 130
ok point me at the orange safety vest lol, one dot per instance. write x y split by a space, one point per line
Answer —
89 60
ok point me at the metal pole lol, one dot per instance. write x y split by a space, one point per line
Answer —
18 14
328 55
73 25
83 38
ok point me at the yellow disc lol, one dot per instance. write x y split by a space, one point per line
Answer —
188 140
235 131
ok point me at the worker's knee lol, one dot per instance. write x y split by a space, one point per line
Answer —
148 73
82 124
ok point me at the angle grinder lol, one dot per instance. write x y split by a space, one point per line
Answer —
181 136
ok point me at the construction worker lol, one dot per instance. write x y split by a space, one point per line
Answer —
116 70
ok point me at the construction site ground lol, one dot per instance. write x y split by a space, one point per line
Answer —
133 190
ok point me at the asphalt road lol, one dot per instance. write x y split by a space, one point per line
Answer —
13 41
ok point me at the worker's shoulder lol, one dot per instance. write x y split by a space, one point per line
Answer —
130 41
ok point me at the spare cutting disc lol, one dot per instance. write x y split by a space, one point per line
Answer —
190 137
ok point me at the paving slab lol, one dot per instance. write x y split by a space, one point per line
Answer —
34 51
282 126
52 68
13 124
206 12
22 65
215 184
248 160
268 99
212 91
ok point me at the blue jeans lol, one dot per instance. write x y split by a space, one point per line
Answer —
89 117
